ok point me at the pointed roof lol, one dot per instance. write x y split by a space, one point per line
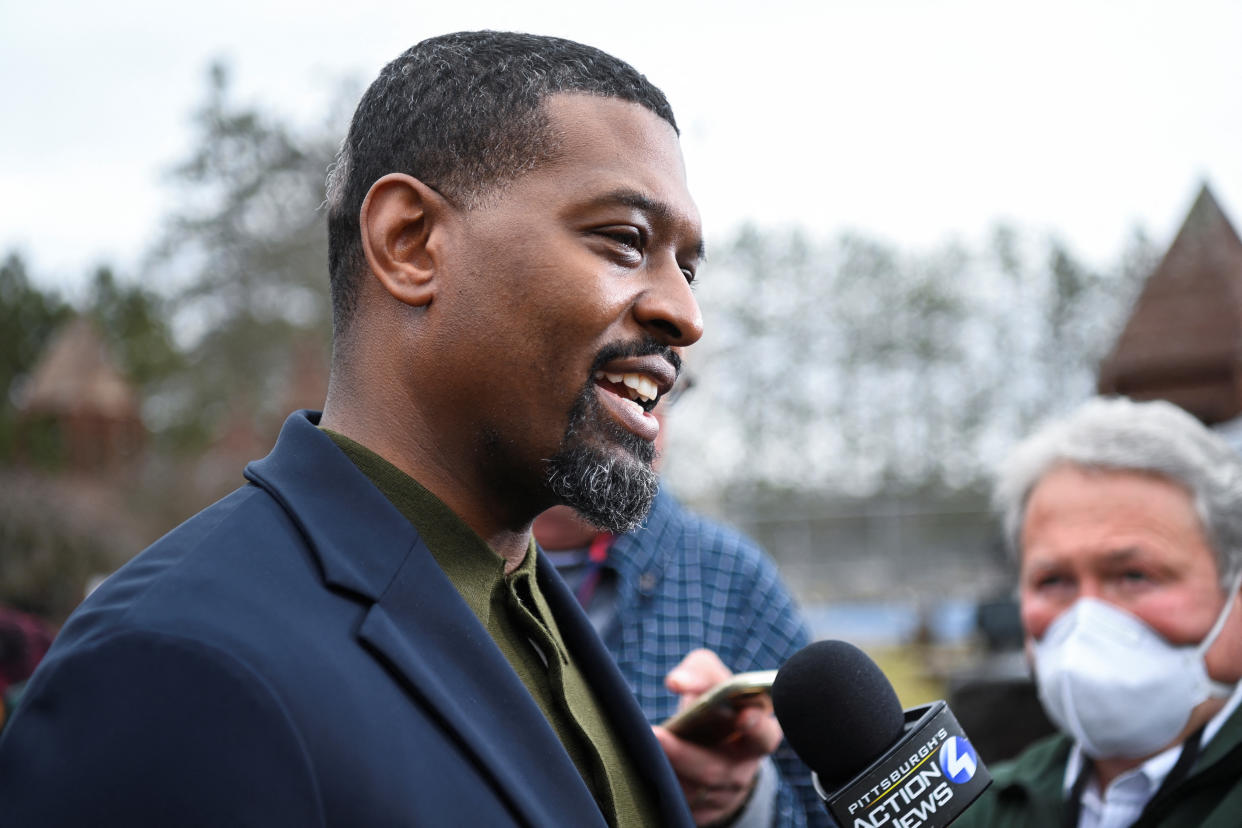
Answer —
76 375
1183 340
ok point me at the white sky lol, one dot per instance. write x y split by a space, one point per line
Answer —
908 120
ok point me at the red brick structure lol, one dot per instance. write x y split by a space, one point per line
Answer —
1183 341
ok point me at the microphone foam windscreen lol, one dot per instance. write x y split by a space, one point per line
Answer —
837 709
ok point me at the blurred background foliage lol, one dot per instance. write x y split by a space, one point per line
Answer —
848 366
28 316
242 259
833 367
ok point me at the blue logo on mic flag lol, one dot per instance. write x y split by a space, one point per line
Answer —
958 760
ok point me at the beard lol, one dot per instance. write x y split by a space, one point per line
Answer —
612 491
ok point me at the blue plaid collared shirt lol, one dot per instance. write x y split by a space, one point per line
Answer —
684 582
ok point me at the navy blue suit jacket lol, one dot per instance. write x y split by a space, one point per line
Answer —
293 656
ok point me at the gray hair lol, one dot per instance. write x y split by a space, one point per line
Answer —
1117 434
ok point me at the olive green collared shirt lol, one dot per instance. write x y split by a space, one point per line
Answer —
513 611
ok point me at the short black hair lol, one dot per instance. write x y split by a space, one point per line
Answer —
463 113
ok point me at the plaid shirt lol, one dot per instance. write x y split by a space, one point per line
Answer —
685 582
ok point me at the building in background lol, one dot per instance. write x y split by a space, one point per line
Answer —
1183 340
77 411
90 486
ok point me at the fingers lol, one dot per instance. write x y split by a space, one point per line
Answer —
756 734
697 673
716 781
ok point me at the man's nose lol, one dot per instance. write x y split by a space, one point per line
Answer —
667 309
1090 588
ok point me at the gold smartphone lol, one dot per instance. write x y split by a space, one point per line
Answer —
711 719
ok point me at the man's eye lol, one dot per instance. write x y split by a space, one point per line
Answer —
1051 582
1134 576
626 237
689 274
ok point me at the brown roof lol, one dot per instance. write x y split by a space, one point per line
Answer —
76 375
1183 341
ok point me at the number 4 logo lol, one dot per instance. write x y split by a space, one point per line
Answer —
958 760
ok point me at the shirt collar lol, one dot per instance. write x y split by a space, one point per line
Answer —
1155 769
473 566
1143 780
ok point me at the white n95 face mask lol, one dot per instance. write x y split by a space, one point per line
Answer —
1116 685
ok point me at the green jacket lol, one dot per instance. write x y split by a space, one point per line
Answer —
1028 790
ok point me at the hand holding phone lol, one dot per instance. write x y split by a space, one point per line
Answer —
712 718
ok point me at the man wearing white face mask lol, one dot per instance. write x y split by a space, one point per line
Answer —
1127 522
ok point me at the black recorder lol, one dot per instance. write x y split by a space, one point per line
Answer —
874 765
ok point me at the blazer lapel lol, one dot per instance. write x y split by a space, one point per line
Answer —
419 625
428 635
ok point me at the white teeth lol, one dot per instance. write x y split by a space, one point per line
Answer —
640 386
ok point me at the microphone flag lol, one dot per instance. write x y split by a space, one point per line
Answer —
925 780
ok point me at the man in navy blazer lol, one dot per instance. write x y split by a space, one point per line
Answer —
511 246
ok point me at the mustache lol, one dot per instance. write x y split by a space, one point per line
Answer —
637 348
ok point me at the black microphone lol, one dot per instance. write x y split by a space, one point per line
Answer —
874 765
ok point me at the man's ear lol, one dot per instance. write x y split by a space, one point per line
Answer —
397 222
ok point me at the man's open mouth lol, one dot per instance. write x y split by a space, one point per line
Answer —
638 388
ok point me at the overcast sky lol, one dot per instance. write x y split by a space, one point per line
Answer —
912 121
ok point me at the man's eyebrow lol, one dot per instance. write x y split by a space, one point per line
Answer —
656 209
